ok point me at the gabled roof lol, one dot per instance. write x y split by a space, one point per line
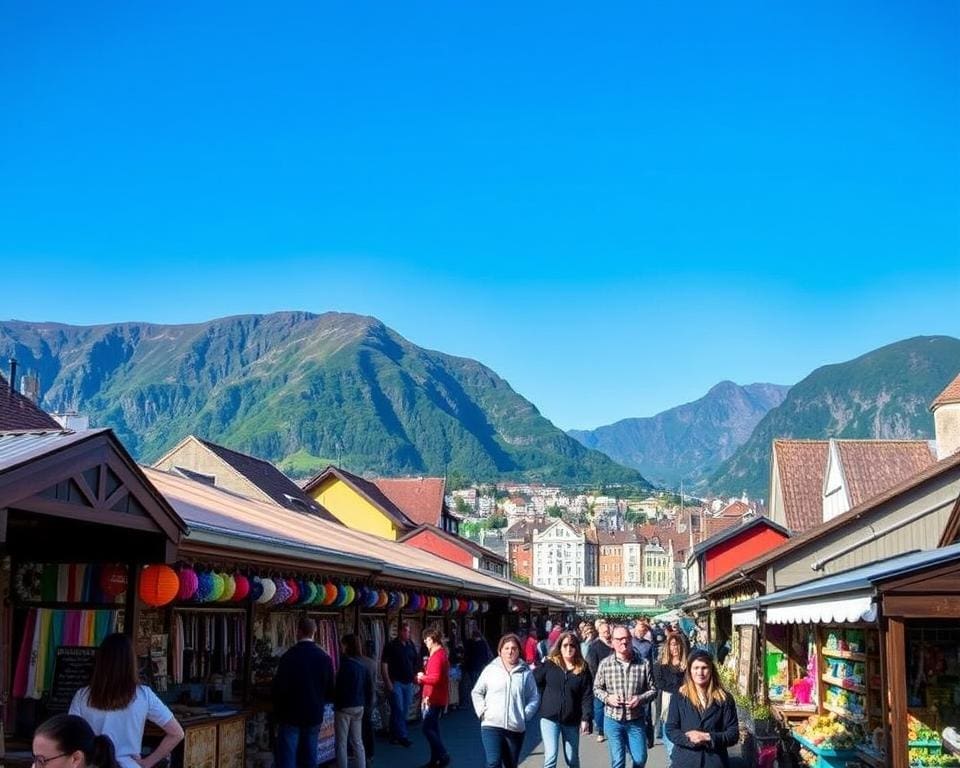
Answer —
735 508
711 526
736 530
799 540
420 498
55 455
801 465
871 466
470 546
267 478
523 529
368 490
19 412
949 395
618 538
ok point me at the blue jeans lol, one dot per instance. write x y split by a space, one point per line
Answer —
501 747
400 698
553 733
624 734
296 747
598 716
667 744
431 732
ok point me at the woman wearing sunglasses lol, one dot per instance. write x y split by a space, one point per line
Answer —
67 741
566 701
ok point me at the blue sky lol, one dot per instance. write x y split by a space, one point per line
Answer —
614 208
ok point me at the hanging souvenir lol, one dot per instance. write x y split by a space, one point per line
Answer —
268 589
229 587
242 587
188 584
158 585
113 580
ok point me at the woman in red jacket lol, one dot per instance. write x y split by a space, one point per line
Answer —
435 680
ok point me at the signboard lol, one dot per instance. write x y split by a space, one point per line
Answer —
748 639
327 738
72 670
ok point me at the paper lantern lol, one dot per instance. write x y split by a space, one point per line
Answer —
268 588
218 586
242 584
462 606
294 591
256 588
351 594
304 591
382 599
432 603
113 580
484 606
188 584
329 594
311 590
158 585
394 602
283 592
229 587
204 586
341 596
404 599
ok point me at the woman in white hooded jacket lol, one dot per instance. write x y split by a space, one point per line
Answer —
505 698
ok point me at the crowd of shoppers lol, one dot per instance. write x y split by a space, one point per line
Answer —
621 682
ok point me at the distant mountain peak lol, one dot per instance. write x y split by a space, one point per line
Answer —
301 390
689 441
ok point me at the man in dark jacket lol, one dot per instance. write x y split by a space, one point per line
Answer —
302 688
354 695
599 650
398 668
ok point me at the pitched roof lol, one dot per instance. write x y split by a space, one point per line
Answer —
523 529
19 412
711 526
735 508
471 546
734 530
368 490
871 466
824 528
420 498
618 538
949 395
802 465
268 479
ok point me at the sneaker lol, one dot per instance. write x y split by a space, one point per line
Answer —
601 738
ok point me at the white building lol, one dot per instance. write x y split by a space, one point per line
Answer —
564 557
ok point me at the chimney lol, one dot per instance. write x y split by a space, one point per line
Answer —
13 374
946 419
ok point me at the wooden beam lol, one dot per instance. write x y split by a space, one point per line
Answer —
85 489
65 509
4 515
932 606
896 655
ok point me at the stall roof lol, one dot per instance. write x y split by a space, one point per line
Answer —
859 579
21 447
219 516
848 596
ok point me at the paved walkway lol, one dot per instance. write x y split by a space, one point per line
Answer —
461 734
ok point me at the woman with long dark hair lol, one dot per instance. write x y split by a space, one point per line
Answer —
116 705
68 741
566 700
702 719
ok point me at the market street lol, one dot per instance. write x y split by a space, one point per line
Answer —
461 734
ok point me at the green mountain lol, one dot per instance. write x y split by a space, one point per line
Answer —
302 390
882 394
690 441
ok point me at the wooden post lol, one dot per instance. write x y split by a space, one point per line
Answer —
895 648
131 607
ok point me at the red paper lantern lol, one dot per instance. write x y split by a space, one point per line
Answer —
113 580
243 587
294 591
158 585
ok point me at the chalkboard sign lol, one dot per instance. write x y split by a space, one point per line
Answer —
72 670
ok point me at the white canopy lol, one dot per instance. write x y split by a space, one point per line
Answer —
833 610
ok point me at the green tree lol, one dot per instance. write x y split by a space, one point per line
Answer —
497 521
461 507
554 511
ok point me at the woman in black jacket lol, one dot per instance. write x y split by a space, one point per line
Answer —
566 700
668 673
702 719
